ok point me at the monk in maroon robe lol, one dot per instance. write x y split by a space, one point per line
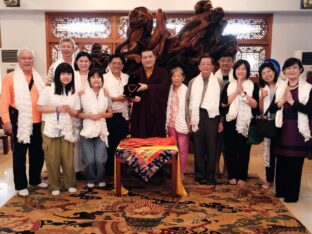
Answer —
148 116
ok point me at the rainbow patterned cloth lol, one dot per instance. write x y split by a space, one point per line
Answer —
147 155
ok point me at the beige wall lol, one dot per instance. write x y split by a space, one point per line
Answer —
291 30
25 29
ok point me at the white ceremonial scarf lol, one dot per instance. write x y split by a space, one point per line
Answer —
210 102
267 141
180 122
112 85
23 103
93 104
219 75
303 96
79 85
266 100
239 108
61 122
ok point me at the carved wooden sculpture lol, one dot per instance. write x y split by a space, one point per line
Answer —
202 35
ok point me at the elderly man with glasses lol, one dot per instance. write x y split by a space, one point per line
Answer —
20 93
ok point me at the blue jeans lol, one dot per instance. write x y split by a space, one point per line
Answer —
95 157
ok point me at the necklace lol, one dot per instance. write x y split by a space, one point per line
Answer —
293 86
132 88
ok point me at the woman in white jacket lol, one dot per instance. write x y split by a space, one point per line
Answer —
96 108
268 82
176 124
82 65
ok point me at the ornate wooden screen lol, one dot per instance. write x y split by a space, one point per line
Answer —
254 32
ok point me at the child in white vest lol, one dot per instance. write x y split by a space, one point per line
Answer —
96 108
59 104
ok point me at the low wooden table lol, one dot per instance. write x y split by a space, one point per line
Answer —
146 156
118 176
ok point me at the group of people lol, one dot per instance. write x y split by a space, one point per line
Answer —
77 117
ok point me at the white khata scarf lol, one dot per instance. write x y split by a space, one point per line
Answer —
180 122
61 122
239 108
219 75
23 103
266 141
93 104
210 101
303 96
80 84
117 90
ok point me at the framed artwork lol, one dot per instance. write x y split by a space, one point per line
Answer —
306 4
12 3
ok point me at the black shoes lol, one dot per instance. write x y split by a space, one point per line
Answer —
211 182
80 176
203 181
290 200
206 181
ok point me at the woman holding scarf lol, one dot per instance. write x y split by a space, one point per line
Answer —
294 117
239 102
268 82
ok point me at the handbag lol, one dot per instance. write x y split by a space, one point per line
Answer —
265 126
253 138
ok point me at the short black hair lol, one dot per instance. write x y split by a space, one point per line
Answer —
82 54
271 66
238 64
122 58
146 50
70 87
292 61
227 54
205 56
94 71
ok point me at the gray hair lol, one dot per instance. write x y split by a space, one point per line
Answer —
25 49
67 39
177 69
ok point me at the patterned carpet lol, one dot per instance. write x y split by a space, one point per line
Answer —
221 209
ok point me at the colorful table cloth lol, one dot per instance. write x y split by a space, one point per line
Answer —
147 155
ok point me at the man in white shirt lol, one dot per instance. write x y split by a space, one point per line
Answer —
67 46
224 75
114 82
202 105
225 72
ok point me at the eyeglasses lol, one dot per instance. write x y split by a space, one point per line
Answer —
117 63
67 47
205 64
26 58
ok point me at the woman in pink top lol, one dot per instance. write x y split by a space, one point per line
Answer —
176 122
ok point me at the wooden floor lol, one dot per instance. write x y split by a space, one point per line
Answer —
302 209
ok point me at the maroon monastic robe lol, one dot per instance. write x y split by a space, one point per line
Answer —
148 118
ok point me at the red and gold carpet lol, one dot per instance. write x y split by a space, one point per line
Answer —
212 210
